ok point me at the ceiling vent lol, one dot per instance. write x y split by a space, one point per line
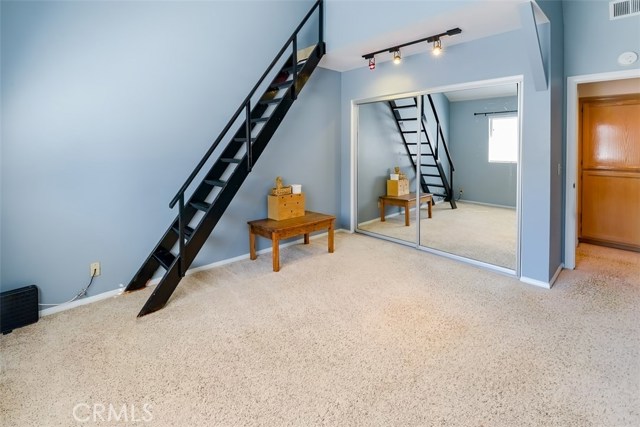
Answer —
623 8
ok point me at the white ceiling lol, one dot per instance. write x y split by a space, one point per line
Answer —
476 18
485 92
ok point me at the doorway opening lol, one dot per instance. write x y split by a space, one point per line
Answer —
594 86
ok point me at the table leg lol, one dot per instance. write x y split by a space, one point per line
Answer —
430 202
306 238
252 244
406 214
331 227
382 219
275 245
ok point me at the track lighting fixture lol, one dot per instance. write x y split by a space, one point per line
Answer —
395 50
437 47
396 56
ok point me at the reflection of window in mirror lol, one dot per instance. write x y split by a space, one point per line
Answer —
503 139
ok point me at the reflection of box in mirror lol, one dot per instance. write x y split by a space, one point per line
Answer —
285 206
397 187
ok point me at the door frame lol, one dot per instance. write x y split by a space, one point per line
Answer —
572 181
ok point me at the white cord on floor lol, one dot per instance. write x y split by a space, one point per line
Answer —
80 294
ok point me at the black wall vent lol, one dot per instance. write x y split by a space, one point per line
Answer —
18 307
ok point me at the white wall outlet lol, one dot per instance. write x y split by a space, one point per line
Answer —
95 269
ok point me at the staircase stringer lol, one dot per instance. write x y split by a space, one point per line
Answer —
172 276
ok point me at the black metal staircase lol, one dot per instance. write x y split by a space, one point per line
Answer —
432 175
184 238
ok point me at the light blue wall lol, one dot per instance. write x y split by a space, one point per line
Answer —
107 107
555 53
482 181
488 58
380 149
592 42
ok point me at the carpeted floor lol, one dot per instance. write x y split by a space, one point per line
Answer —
480 232
376 334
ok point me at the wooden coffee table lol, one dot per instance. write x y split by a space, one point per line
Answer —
277 230
407 201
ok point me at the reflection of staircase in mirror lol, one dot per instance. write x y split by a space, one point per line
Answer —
433 176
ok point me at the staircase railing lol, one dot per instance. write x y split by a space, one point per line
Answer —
245 106
440 136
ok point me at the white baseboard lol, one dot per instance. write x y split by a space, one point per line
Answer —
156 280
246 256
82 301
556 274
486 204
391 215
535 282
540 283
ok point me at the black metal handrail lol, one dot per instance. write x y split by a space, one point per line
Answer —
246 103
439 131
440 136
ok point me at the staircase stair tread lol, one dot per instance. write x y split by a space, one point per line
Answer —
280 85
259 120
270 101
243 139
230 160
216 182
164 257
203 206
299 66
188 231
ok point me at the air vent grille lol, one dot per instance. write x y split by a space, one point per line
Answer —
623 8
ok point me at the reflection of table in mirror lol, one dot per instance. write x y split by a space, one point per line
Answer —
407 202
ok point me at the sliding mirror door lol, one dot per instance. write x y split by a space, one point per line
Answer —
474 134
387 133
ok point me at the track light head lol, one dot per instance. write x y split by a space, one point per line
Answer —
372 63
396 56
437 47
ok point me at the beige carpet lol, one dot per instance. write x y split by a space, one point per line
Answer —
480 232
371 335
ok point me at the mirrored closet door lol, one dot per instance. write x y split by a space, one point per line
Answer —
465 145
386 177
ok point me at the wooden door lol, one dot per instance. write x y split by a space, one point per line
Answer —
610 172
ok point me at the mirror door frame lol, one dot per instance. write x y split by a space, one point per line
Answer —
355 104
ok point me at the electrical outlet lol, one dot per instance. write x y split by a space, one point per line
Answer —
95 269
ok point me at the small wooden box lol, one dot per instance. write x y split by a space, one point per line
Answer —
397 187
285 206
